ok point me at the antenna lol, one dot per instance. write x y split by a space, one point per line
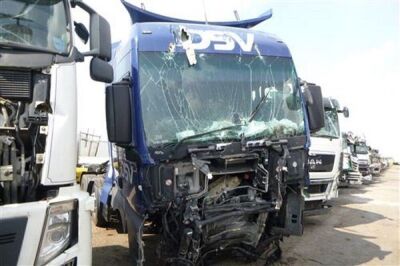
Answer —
205 12
236 15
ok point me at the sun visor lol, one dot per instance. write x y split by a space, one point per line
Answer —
138 15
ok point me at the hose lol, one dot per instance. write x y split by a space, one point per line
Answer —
19 140
15 181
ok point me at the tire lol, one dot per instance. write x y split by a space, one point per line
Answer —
97 215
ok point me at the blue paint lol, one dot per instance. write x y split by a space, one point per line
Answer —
139 15
158 36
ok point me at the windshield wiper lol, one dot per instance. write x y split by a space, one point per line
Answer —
204 134
258 106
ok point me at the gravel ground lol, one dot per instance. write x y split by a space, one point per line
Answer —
363 227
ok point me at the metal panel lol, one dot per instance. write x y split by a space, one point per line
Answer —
12 233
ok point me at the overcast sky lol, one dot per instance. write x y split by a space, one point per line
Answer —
350 48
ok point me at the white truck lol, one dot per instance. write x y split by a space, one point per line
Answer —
324 160
44 217
361 150
349 173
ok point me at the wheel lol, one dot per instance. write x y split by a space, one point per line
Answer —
97 215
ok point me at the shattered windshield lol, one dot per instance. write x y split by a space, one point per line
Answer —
37 24
241 94
331 128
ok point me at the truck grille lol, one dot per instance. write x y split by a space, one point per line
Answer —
16 84
354 163
321 162
12 233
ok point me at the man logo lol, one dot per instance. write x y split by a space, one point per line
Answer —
314 163
221 40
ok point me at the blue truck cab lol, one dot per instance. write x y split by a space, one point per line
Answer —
212 133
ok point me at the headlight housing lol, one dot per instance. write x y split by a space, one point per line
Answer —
60 230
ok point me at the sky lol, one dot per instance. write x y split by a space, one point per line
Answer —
351 48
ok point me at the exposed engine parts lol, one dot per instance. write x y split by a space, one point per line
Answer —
220 202
24 104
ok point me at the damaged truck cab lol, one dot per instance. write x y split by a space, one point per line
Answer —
212 134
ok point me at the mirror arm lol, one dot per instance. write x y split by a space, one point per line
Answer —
94 52
83 5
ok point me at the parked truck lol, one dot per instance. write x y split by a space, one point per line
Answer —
377 162
324 160
212 134
361 150
349 174
44 217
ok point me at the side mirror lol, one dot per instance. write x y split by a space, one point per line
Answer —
346 112
81 31
315 107
118 113
100 34
100 37
101 70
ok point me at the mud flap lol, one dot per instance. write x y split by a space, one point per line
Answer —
294 214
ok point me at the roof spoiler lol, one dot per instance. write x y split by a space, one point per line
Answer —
138 15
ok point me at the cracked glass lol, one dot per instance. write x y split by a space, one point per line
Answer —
331 128
40 24
221 90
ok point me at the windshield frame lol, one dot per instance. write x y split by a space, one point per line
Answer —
211 137
358 151
33 48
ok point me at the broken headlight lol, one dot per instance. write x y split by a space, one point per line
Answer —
59 231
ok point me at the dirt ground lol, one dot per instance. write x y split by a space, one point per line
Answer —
363 227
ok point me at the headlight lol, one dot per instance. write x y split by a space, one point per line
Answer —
59 232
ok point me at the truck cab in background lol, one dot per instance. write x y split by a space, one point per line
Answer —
324 160
361 150
377 162
212 133
44 217
349 175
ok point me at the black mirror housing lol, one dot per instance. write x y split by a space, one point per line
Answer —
101 70
346 112
81 31
315 107
119 113
100 34
100 37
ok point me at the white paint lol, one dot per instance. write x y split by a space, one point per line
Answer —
61 143
36 213
222 40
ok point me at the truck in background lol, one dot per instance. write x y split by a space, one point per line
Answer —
44 217
349 175
377 162
324 160
361 150
212 133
